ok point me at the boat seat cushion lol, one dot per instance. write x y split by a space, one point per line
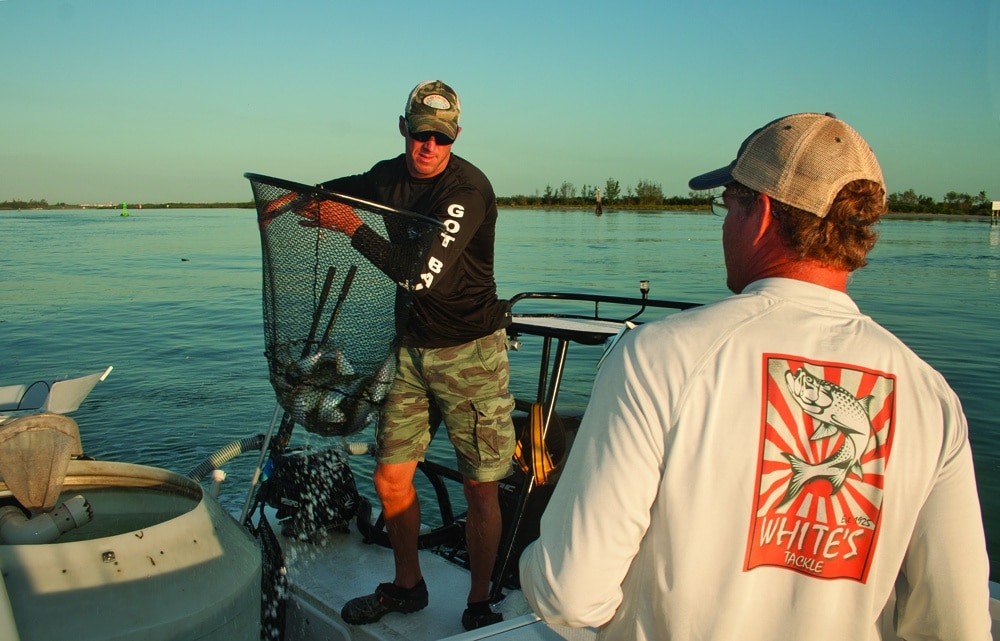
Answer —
35 451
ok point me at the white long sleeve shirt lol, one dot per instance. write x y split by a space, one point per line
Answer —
766 467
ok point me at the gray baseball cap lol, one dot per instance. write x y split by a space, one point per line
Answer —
802 160
433 106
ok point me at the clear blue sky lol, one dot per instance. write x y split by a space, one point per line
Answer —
172 100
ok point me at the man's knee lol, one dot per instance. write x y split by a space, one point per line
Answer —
480 492
394 481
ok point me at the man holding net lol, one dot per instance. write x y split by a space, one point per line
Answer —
453 364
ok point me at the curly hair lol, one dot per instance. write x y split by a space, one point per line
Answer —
842 238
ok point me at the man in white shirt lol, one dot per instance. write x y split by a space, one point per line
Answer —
773 465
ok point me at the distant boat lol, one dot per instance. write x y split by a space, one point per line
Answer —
124 210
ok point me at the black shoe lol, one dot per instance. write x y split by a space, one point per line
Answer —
473 621
387 598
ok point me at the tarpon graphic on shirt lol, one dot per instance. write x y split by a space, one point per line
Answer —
825 436
837 412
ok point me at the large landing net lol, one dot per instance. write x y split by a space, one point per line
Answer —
332 313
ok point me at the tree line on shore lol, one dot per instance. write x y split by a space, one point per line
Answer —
43 204
646 194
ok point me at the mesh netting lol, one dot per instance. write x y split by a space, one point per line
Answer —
332 313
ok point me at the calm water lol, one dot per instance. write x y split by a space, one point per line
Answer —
172 300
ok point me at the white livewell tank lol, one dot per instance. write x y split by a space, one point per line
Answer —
159 561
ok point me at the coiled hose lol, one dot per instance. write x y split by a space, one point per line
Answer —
229 452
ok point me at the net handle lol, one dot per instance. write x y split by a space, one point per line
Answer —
313 190
344 289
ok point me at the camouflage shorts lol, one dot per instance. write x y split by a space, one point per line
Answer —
466 387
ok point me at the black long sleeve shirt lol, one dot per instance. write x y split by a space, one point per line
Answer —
456 299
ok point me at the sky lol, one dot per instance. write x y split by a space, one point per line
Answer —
173 100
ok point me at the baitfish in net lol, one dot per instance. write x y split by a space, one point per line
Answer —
334 306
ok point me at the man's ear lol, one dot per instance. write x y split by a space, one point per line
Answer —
763 215
402 127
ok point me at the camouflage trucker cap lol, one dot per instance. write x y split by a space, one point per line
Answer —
433 106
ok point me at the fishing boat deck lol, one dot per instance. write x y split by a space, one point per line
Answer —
324 576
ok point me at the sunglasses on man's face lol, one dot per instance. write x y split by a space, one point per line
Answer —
424 136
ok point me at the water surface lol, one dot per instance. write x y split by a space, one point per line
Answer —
171 299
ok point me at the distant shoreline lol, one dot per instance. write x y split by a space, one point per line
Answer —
607 211
704 210
917 215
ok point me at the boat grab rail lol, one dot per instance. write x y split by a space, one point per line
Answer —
597 299
587 328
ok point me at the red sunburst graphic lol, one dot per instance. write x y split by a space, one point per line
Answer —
818 499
